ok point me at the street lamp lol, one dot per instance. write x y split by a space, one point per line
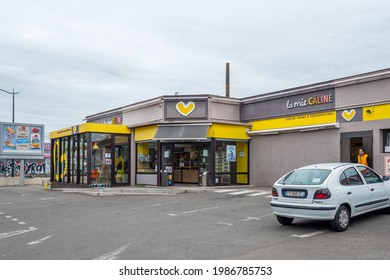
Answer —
13 119
13 102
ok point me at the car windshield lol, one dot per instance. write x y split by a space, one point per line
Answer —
305 177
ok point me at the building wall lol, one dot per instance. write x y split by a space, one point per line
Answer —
143 115
365 93
272 156
224 111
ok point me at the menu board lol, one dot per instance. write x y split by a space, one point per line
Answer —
21 138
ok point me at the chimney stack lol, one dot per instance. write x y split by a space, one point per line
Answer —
227 80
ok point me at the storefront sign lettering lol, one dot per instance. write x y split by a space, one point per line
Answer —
311 101
185 108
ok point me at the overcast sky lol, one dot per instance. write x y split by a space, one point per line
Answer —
73 58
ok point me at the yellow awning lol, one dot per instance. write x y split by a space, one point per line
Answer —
90 127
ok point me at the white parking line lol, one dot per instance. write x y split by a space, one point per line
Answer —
39 240
258 193
308 234
22 223
112 255
225 224
241 192
25 194
1 213
222 191
13 233
267 215
15 220
192 211
8 217
6 203
251 219
47 198
269 196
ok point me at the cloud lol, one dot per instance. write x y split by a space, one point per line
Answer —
70 59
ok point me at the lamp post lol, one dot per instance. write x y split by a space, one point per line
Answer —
13 102
13 118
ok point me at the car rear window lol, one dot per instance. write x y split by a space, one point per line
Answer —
305 177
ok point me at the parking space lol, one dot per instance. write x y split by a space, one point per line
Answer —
216 224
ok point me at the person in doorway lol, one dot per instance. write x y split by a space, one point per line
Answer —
362 157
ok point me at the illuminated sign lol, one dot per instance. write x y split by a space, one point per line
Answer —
185 108
21 139
311 101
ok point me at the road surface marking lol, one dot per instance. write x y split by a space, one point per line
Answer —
15 220
22 223
26 194
13 233
308 234
222 191
39 240
251 219
6 203
225 224
1 213
8 217
258 193
267 215
112 255
192 211
241 192
269 196
47 198
170 202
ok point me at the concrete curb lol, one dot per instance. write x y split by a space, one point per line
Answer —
152 190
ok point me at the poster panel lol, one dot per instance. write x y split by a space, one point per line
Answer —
21 139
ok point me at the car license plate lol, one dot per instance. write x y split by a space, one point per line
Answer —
292 193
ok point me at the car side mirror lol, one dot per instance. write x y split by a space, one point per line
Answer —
385 178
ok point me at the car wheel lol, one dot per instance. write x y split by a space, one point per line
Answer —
285 221
341 219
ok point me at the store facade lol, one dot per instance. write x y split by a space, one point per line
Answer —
252 140
324 122
91 153
183 137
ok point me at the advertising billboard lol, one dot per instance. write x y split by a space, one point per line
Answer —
21 140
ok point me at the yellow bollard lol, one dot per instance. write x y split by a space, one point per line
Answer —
46 186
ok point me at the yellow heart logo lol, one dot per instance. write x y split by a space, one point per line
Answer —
349 115
185 108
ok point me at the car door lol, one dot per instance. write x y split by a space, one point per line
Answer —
357 192
379 189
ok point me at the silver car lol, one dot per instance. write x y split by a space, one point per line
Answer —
330 191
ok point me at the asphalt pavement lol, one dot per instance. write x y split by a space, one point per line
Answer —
211 223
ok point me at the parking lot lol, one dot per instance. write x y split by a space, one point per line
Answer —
213 224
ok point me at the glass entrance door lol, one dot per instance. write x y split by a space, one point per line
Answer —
186 163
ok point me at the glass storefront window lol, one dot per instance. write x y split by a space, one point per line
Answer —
121 159
223 164
83 159
231 163
64 160
147 157
101 158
